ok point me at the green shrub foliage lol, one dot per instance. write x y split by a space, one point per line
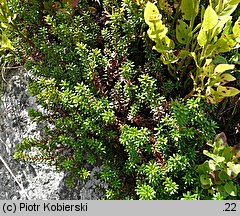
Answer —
220 173
107 99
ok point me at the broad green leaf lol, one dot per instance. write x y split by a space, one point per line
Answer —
204 168
218 150
225 78
189 9
205 180
210 19
182 32
223 176
230 188
225 91
216 158
202 37
183 54
219 60
223 67
236 28
227 154
222 191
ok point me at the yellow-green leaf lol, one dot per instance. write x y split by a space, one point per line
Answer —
208 67
225 78
214 100
152 17
223 67
4 25
168 58
221 92
216 158
236 28
151 12
228 10
212 96
6 43
202 37
212 164
225 91
225 43
232 2
222 20
210 19
164 45
210 51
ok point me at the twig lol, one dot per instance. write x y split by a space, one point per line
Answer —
19 184
3 71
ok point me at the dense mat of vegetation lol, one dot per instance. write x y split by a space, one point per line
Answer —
149 90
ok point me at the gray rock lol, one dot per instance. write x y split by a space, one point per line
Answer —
39 180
